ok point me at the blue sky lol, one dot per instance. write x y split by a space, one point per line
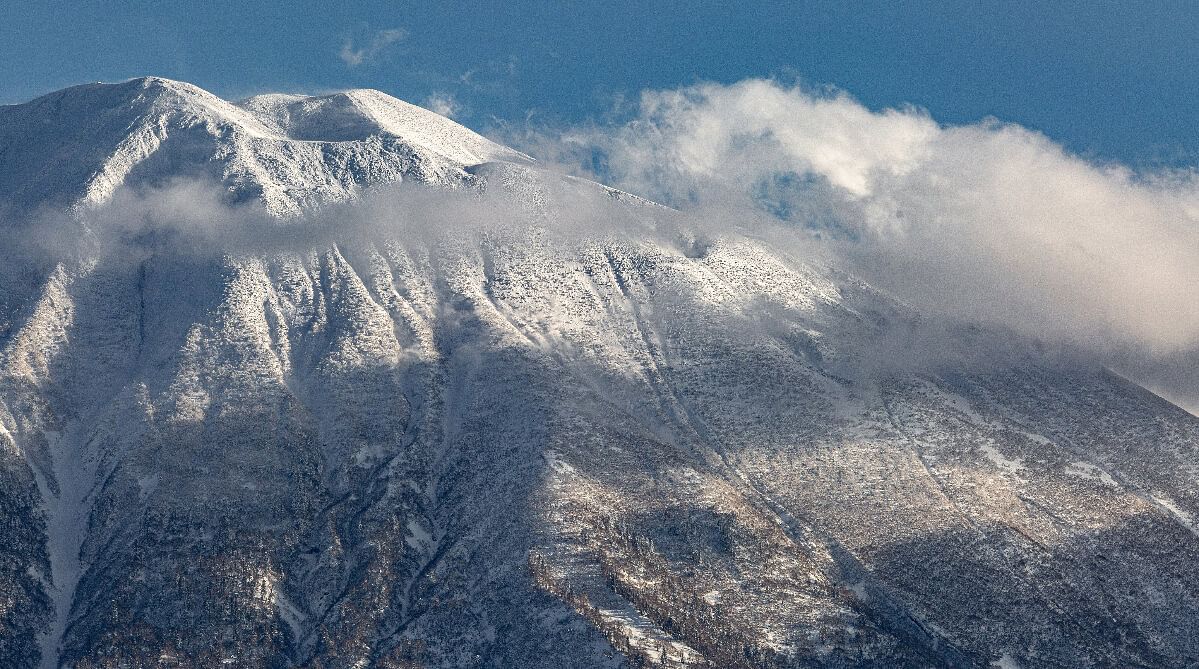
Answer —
1108 80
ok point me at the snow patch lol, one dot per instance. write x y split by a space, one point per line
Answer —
147 485
1011 466
7 441
960 404
1090 471
859 589
419 538
67 513
290 614
646 637
1181 516
555 462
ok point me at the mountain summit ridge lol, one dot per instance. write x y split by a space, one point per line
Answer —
290 151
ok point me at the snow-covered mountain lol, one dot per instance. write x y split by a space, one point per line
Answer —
597 434
82 143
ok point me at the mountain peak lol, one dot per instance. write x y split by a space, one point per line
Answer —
357 114
133 96
78 145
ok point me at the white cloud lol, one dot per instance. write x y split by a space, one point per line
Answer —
986 222
443 103
368 50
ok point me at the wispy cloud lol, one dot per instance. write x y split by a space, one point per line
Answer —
363 51
443 103
492 76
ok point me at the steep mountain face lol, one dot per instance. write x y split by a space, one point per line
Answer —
636 443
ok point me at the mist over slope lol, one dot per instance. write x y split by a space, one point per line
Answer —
988 222
336 382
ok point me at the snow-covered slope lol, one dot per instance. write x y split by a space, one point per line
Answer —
587 434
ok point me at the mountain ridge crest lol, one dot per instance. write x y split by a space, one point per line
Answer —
78 145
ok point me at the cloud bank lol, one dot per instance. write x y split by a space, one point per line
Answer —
988 222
